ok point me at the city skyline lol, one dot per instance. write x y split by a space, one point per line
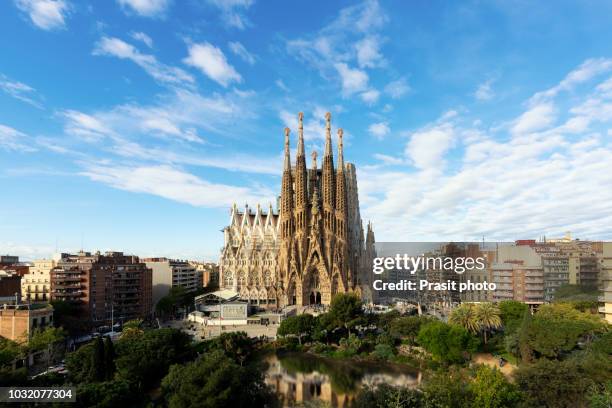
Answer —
135 125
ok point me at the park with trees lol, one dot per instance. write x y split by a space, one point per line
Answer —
560 353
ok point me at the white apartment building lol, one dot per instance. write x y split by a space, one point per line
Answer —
170 273
36 284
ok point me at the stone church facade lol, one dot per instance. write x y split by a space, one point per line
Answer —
313 247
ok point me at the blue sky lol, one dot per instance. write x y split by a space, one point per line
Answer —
134 124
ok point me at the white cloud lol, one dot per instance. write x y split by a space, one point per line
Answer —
538 179
110 46
586 71
536 118
12 139
232 12
239 49
370 96
45 14
174 184
379 130
86 127
351 40
144 38
398 88
484 91
388 160
146 8
211 61
20 91
427 147
281 85
368 52
169 130
353 80
364 17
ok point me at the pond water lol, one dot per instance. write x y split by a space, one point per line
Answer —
302 379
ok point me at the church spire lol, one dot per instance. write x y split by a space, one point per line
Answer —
301 188
328 179
300 148
341 193
286 210
340 150
287 155
301 182
328 147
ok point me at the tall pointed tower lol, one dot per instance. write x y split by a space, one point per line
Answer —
301 197
328 187
341 244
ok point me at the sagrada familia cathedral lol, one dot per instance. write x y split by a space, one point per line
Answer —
313 247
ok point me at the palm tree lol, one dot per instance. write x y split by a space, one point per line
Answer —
465 316
488 316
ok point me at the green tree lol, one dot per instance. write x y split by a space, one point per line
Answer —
98 365
465 316
298 326
549 383
80 364
132 328
550 336
109 394
512 314
346 310
446 342
69 315
490 389
600 397
236 345
383 352
47 340
9 351
387 396
215 381
488 318
447 389
143 360
407 327
109 359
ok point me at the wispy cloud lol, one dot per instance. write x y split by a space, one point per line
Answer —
45 14
346 48
12 139
115 47
145 8
144 38
233 12
239 50
211 61
398 88
379 130
484 92
174 184
20 91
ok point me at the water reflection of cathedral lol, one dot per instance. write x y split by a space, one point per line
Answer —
313 247
294 387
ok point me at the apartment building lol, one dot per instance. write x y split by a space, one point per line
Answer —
110 286
36 284
518 274
605 301
18 322
10 287
170 273
210 273
11 264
